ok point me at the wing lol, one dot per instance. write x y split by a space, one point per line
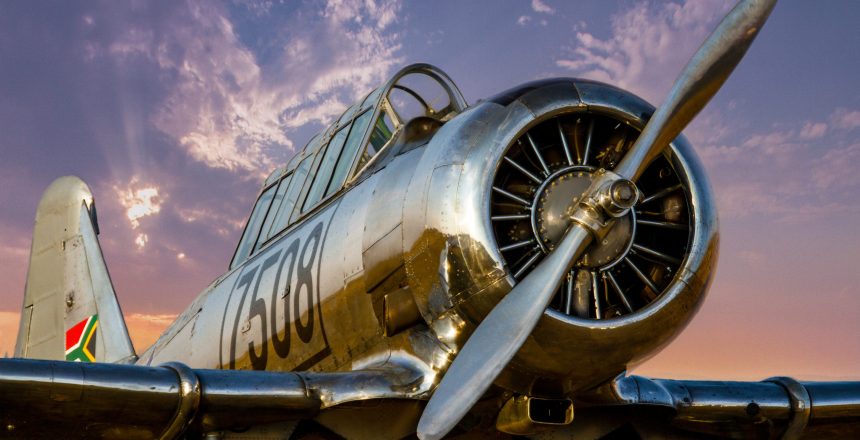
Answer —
56 399
778 407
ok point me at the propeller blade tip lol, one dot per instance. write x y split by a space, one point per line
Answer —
425 432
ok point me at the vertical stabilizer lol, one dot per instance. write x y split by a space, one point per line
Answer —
70 308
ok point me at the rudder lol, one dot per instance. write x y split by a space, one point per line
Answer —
70 308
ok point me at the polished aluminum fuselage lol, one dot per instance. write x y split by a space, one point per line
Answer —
312 284
415 233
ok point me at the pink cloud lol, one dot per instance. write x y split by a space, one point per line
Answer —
541 7
8 332
144 329
764 147
648 46
813 130
752 257
845 119
838 168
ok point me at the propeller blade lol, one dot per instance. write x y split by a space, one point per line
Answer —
501 334
700 80
498 338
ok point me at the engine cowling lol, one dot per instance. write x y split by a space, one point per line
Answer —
490 199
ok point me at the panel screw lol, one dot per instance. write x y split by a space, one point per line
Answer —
753 409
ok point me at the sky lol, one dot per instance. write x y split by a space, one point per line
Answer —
175 111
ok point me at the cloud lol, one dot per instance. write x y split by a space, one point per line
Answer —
764 199
217 108
813 130
259 8
772 144
541 7
228 109
14 251
139 202
790 173
222 223
380 14
196 214
144 329
845 119
648 46
782 144
523 20
141 240
751 257
8 332
838 168
766 147
321 113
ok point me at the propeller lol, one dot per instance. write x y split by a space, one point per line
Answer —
501 334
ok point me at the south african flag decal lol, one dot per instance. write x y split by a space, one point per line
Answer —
81 340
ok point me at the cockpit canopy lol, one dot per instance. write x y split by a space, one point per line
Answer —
337 157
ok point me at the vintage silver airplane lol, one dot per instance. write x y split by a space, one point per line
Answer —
507 261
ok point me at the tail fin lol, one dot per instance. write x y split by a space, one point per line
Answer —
70 307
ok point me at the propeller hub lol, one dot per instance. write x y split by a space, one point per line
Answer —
623 194
556 201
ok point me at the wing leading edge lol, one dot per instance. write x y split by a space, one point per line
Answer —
55 399
779 407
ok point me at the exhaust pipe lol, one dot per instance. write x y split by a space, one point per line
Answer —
524 415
